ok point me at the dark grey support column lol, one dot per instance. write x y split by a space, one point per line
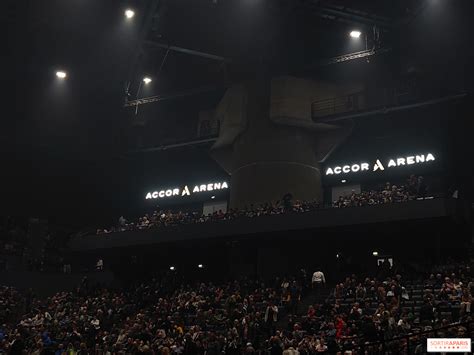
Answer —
269 155
271 160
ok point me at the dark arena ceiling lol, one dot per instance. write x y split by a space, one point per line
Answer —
55 136
211 38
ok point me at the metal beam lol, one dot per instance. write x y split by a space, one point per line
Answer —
176 145
329 61
150 12
386 110
348 14
346 58
156 98
353 56
186 51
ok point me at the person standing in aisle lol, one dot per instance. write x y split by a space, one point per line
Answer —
318 281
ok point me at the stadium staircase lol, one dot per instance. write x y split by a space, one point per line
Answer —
307 300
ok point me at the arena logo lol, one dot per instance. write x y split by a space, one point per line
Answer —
379 166
186 190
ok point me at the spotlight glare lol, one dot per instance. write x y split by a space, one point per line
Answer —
61 74
129 13
147 80
375 253
343 181
200 266
213 197
172 268
355 34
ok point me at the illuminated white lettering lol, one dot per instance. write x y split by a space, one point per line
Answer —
420 158
378 165
355 168
185 191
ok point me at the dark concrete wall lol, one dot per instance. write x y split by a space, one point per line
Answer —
46 284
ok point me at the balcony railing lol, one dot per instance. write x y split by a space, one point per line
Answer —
402 93
337 105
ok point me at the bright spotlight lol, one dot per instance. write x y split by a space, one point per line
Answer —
200 266
129 13
355 34
147 80
213 197
61 74
343 181
375 253
172 268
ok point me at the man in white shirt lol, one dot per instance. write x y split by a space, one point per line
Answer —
318 281
318 278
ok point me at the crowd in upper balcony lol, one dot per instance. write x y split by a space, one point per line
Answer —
415 187
161 218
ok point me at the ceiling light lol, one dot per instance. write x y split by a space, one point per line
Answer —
147 80
61 74
355 34
129 13
375 253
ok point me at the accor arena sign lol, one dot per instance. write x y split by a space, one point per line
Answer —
186 190
380 165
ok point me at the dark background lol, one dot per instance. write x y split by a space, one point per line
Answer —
65 147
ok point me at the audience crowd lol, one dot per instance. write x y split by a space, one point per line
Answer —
371 310
153 318
159 219
242 317
9 304
415 187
